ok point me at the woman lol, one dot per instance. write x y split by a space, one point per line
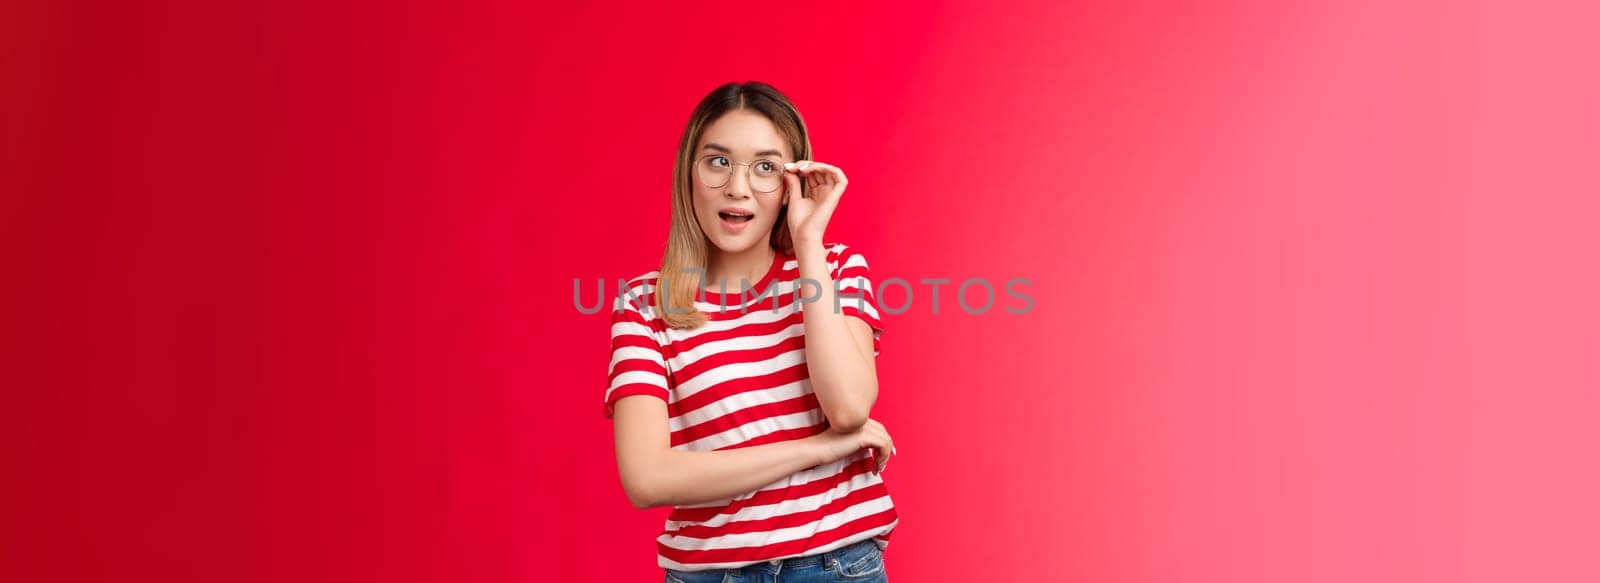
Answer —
742 371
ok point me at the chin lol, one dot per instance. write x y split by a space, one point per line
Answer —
736 245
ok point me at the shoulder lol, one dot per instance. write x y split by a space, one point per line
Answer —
842 256
837 250
637 294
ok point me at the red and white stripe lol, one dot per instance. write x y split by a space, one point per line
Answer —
740 380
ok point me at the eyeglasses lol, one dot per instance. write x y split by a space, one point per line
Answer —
764 175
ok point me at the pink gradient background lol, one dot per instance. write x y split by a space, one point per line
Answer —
289 291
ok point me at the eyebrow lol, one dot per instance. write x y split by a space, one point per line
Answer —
725 150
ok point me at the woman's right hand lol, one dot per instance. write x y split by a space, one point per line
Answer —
834 445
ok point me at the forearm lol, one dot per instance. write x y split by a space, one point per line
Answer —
696 477
842 375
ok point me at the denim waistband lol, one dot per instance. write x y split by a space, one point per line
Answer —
821 558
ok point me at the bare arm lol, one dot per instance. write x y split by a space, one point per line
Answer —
654 474
839 356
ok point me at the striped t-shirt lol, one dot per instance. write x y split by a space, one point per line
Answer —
740 380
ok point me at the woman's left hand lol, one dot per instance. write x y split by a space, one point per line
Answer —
809 213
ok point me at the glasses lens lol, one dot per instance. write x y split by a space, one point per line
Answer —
714 170
766 175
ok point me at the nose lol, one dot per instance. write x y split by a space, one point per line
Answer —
738 185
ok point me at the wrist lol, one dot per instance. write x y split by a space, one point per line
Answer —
816 448
805 246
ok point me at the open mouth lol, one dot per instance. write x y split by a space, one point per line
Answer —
736 217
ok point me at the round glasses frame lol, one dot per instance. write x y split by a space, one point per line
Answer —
711 181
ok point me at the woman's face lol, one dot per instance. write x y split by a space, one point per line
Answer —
743 152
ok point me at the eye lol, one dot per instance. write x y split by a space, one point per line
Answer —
718 162
766 167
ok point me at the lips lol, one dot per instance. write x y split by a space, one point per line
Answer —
736 215
735 219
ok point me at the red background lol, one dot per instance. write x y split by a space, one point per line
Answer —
289 283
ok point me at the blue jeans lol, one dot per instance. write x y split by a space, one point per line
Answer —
860 562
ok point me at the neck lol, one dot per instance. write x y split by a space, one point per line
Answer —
749 265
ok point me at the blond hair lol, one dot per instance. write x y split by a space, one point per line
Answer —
686 242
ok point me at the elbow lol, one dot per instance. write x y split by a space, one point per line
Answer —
643 480
641 498
849 412
640 502
848 419
642 489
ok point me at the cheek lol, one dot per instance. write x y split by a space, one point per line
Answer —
771 205
771 210
704 203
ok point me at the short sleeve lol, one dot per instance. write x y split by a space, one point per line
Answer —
853 280
637 364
